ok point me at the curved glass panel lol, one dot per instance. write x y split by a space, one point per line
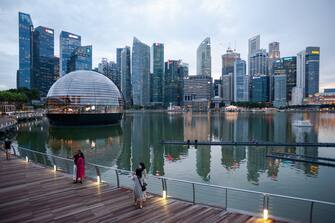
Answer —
84 91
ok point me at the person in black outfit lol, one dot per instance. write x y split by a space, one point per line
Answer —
8 144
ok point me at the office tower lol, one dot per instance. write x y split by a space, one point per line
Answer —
157 72
43 59
118 58
228 60
196 88
298 92
81 59
287 66
204 64
259 63
173 83
260 88
274 54
218 88
24 73
184 69
280 92
68 42
253 47
227 88
140 74
241 81
110 70
126 76
56 63
312 70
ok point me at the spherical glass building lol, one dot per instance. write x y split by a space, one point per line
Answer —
84 98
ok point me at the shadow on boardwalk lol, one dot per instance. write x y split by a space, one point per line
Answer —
31 193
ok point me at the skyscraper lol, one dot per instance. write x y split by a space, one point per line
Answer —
68 42
43 59
312 70
253 47
274 54
140 79
258 64
110 70
126 76
287 66
228 60
81 59
24 73
173 83
260 88
280 92
240 81
298 92
157 72
204 64
118 66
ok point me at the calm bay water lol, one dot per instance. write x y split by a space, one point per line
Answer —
138 137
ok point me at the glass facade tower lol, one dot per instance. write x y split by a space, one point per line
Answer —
81 59
157 72
173 83
68 42
126 76
312 70
140 73
240 80
43 60
204 60
24 74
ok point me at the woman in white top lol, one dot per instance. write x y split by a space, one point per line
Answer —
144 177
138 190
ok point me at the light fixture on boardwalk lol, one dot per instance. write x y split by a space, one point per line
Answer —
98 179
265 214
27 160
55 168
164 194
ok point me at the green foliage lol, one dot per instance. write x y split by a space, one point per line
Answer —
252 104
13 97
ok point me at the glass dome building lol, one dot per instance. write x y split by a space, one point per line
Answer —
84 98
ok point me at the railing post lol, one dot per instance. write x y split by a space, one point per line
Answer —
226 202
117 179
98 173
193 193
163 186
311 212
54 160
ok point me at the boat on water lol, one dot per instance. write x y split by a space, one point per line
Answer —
302 123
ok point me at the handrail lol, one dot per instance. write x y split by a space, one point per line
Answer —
196 183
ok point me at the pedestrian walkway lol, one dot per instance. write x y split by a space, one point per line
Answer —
32 193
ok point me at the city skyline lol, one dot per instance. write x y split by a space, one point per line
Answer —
223 27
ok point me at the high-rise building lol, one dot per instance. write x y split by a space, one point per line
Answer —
43 60
228 60
258 63
140 74
197 88
118 66
56 68
280 92
110 70
68 42
260 88
24 74
312 70
204 64
81 59
241 81
298 92
274 54
173 83
253 47
227 88
184 69
218 88
157 72
287 66
126 76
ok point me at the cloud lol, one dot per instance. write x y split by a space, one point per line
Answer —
180 25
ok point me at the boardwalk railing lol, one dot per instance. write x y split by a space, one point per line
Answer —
248 201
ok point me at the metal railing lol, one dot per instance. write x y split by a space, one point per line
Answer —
241 200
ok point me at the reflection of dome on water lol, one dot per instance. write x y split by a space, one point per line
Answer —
84 97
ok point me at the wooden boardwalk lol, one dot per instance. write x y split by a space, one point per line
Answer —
32 193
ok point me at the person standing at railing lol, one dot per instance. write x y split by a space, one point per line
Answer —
75 159
144 177
139 188
7 148
80 168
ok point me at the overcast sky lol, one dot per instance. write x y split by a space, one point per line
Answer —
180 24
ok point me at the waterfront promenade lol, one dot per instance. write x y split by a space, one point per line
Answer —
32 193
